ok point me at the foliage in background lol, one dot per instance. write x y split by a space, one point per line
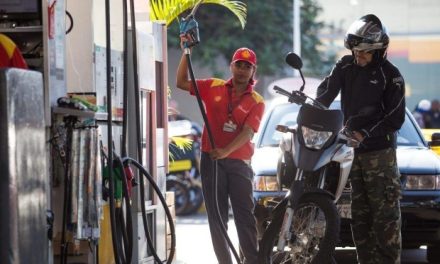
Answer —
169 10
318 60
268 31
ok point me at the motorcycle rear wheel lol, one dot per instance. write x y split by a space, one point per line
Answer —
195 200
313 241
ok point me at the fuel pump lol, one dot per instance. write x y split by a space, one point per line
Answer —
125 162
108 59
76 103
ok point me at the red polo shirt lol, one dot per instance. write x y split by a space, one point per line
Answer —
247 109
10 55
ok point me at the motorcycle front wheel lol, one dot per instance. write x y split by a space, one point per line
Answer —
181 193
314 232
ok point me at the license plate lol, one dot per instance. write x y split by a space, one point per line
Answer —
344 210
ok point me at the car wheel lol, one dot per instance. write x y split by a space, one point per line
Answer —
433 254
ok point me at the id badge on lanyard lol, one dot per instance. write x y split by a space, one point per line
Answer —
229 126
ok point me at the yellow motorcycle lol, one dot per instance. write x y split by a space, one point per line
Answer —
183 177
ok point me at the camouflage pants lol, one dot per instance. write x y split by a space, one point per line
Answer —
375 207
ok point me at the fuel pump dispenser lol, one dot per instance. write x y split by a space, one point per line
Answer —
91 161
114 72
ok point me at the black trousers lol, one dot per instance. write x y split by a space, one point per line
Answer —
234 181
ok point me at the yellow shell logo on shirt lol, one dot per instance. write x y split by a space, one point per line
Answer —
217 98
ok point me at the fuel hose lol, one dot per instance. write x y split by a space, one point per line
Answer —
211 141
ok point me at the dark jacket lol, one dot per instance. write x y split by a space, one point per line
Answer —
372 99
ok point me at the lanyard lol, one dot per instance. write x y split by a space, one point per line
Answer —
230 103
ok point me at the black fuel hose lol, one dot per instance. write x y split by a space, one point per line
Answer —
138 131
127 232
211 141
116 245
141 168
140 158
125 80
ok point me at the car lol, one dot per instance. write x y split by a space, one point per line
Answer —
418 165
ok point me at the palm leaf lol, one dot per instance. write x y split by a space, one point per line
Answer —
168 10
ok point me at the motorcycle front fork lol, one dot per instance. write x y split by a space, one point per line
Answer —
285 234
296 190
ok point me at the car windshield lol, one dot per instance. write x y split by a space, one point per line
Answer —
286 114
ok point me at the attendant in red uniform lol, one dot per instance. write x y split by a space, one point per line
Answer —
10 55
234 112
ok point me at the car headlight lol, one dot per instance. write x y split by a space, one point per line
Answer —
265 183
313 138
422 182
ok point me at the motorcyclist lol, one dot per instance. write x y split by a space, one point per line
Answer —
367 80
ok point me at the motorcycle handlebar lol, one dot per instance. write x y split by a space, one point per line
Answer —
349 138
298 97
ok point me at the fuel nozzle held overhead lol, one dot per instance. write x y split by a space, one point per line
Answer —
190 28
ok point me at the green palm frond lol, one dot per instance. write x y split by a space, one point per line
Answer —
168 10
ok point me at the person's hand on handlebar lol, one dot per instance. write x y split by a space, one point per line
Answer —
358 136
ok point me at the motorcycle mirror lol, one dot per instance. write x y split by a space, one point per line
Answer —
294 60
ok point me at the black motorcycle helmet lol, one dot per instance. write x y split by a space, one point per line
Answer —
368 34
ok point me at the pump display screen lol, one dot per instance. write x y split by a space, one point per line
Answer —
20 9
19 6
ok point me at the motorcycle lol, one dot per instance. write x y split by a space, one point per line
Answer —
184 177
304 226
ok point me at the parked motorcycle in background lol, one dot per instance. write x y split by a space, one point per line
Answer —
184 176
304 226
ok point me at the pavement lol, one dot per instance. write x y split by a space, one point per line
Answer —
193 240
193 244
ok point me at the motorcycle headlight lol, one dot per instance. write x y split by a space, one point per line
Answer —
265 183
422 182
313 138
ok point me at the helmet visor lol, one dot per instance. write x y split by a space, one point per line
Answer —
364 36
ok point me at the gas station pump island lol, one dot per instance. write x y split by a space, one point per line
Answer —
84 144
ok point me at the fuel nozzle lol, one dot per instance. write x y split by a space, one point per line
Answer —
190 28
